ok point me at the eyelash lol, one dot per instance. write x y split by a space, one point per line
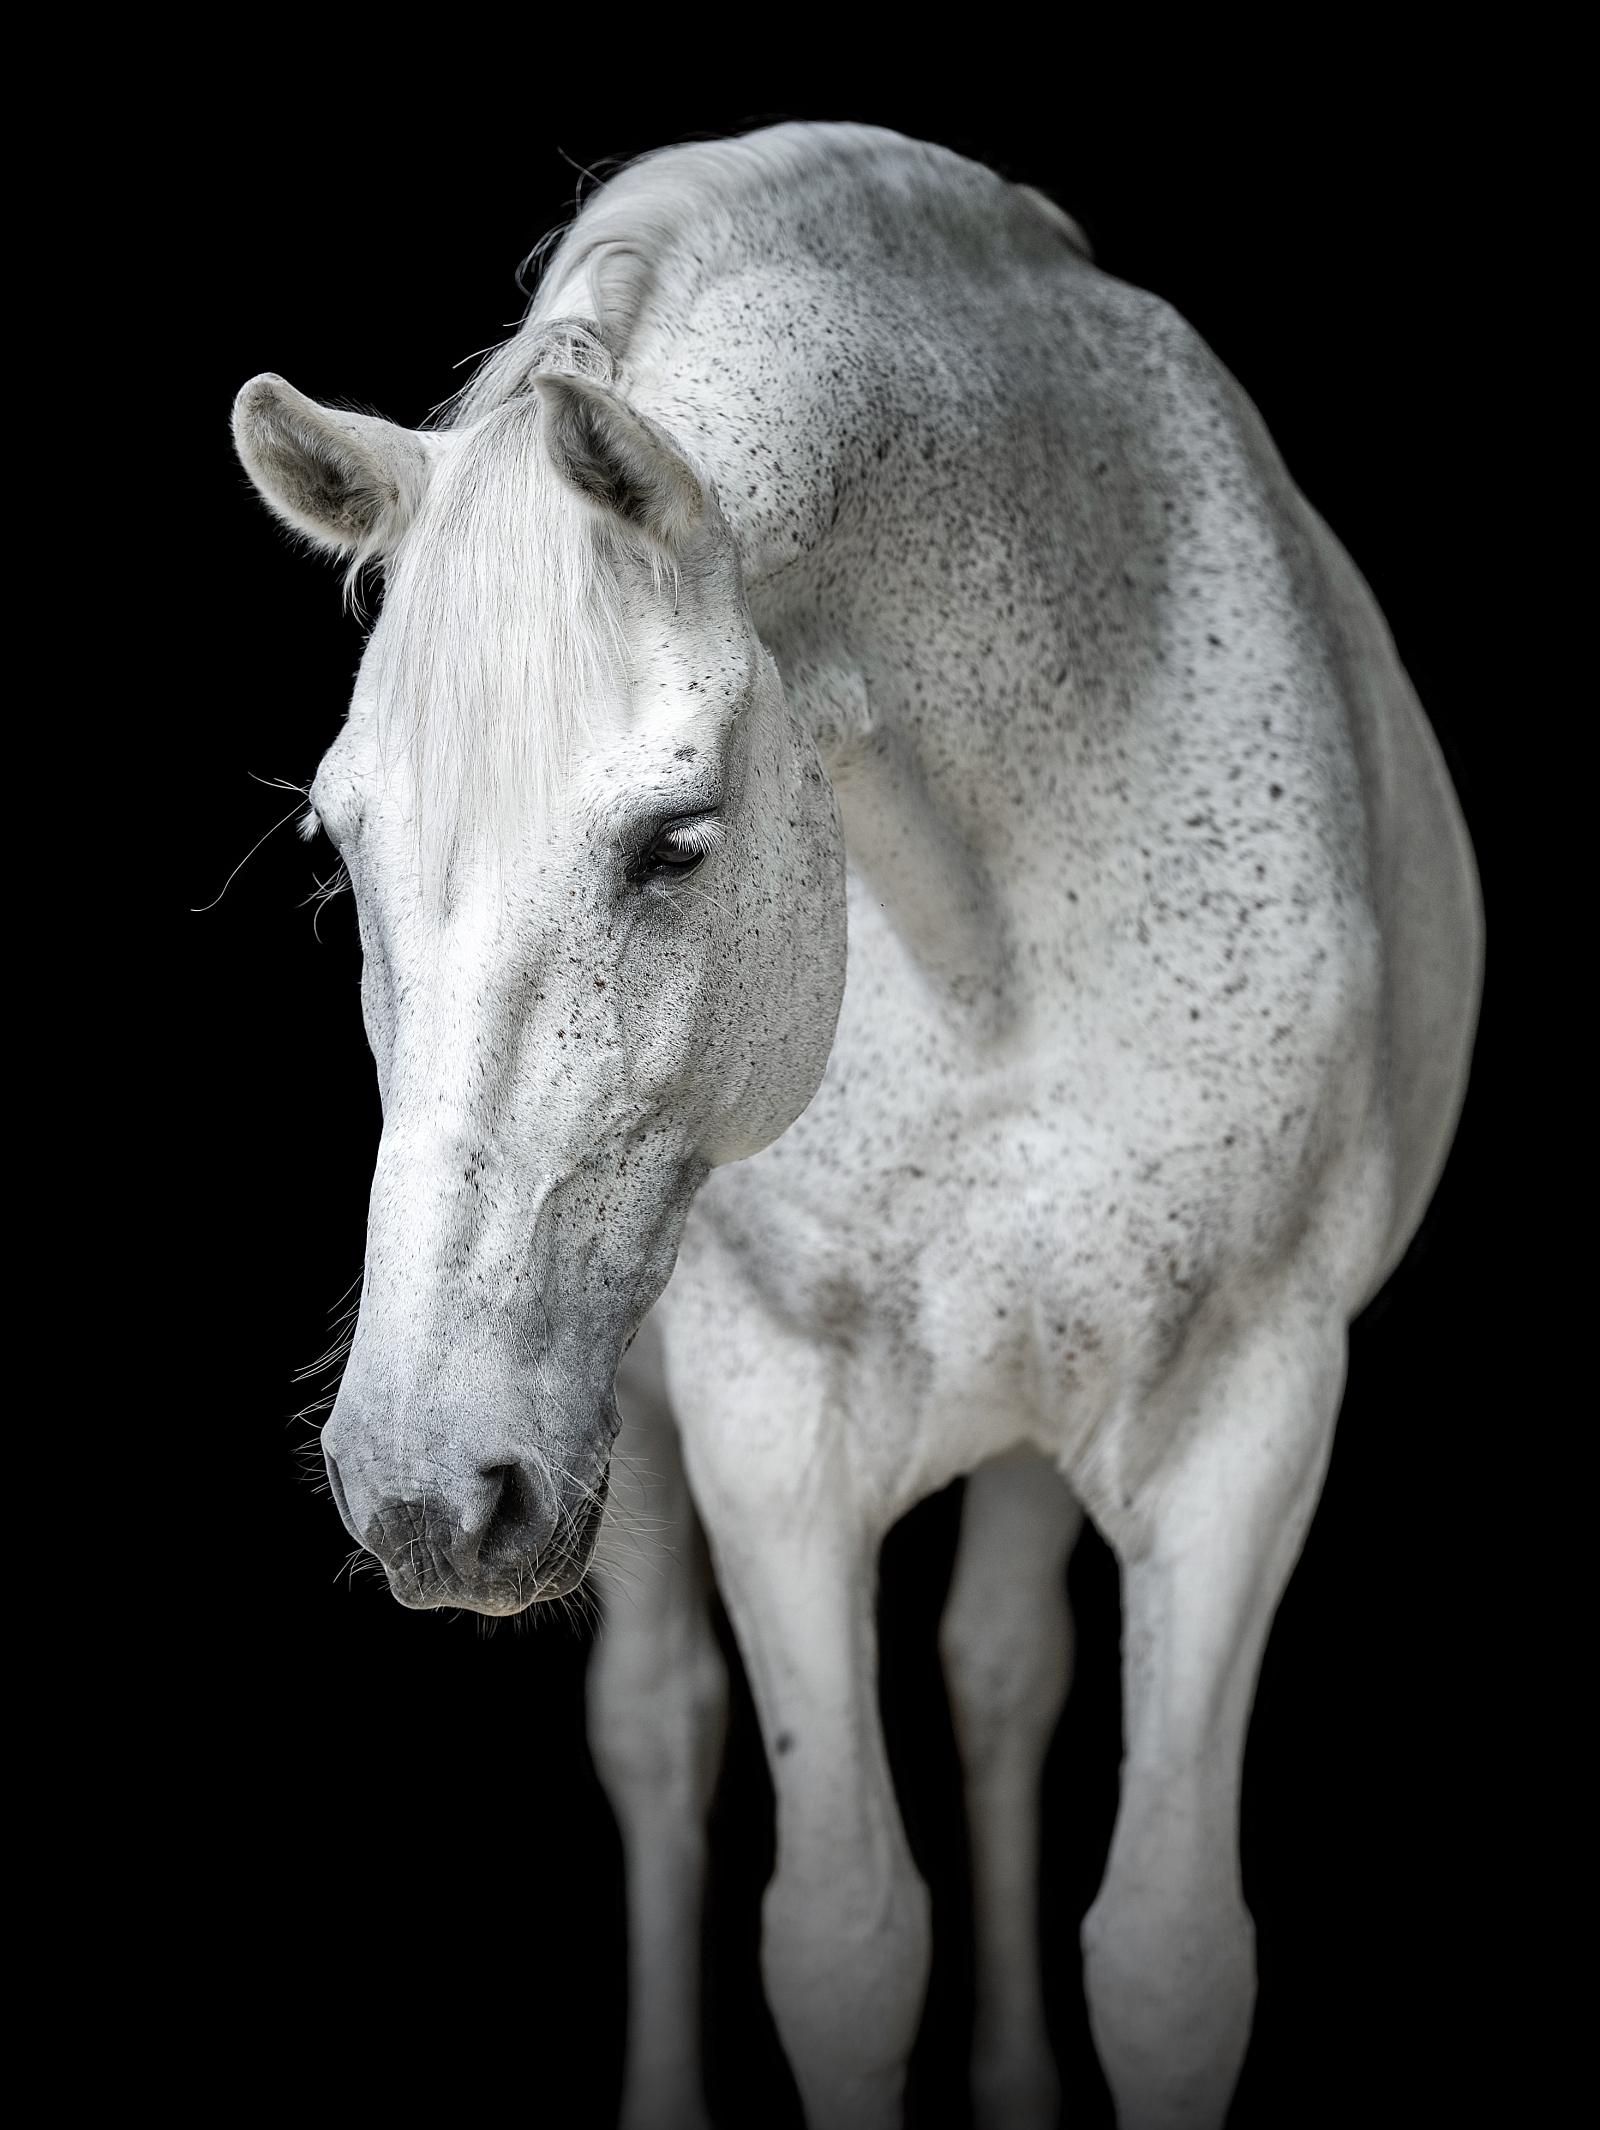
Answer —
690 840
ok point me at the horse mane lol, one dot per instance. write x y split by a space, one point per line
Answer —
500 626
500 621
661 226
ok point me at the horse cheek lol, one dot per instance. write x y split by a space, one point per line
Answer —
789 967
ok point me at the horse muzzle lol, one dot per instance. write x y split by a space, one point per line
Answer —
502 1539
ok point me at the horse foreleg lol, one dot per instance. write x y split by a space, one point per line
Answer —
846 1936
658 1695
845 1921
1006 1642
1207 1545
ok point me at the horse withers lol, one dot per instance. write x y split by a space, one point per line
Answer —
912 925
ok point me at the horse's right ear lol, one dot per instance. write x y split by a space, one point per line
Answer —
349 482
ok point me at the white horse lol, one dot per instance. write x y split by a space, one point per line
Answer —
836 552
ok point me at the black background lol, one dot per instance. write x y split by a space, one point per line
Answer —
380 1835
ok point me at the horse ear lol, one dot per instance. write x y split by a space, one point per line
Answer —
618 460
349 482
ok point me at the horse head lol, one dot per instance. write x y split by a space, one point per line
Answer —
599 876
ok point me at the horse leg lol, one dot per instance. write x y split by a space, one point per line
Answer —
845 1921
658 1698
846 1936
1207 1546
1006 1642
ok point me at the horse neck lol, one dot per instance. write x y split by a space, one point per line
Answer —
950 802
949 498
824 315
927 860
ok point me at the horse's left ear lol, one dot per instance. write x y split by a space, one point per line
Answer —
618 460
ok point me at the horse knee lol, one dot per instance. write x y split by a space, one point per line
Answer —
845 1961
1169 1974
658 1708
1007 1678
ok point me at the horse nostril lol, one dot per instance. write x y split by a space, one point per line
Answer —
337 1486
516 1530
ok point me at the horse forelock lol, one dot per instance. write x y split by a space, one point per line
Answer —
500 642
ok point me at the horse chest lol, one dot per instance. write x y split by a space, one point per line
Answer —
995 1240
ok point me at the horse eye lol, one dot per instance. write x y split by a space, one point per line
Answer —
674 848
684 844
